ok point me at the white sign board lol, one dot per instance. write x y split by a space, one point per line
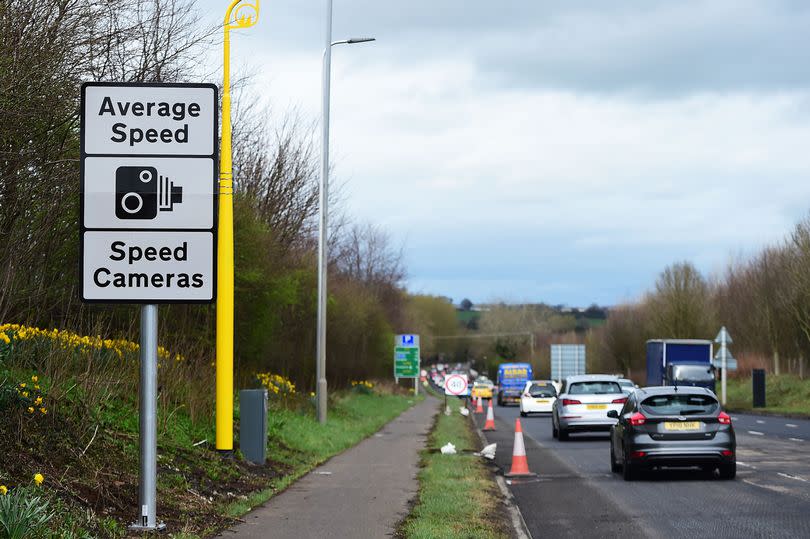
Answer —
455 385
148 194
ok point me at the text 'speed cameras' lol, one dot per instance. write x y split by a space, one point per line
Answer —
140 192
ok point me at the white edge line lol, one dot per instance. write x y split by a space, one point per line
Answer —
791 425
796 439
756 433
796 477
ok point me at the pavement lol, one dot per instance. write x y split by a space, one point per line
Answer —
576 495
362 493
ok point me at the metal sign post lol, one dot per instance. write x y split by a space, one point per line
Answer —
147 493
148 220
724 339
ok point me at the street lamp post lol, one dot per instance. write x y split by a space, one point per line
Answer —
239 15
320 365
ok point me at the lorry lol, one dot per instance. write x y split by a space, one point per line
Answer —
680 362
512 378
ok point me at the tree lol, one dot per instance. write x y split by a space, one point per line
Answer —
466 305
680 307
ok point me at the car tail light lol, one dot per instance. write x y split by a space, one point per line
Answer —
637 454
724 418
620 401
569 402
727 453
638 419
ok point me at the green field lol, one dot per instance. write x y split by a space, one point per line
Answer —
785 394
458 497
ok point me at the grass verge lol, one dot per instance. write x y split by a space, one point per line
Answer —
90 462
784 394
457 497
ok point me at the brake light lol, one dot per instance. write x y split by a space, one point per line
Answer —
620 401
638 419
637 454
724 418
569 402
727 453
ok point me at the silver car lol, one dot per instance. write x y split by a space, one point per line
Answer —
583 404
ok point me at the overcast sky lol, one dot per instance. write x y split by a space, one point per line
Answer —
554 151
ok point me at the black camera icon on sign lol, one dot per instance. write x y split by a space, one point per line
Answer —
140 192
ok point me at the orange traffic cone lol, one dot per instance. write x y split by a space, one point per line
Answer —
520 465
490 424
478 408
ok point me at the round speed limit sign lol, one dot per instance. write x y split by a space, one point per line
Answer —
455 385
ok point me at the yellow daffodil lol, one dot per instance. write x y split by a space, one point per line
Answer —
22 385
30 409
35 378
36 387
3 490
24 394
39 478
38 401
43 410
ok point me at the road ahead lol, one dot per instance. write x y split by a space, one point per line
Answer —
575 493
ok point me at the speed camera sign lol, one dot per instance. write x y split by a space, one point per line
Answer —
148 192
455 384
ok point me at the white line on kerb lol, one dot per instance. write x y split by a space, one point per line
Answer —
791 425
796 439
796 477
756 433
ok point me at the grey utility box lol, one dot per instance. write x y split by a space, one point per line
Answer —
253 425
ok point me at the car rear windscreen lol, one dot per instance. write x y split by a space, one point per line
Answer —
594 388
674 404
542 390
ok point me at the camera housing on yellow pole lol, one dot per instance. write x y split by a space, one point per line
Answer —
240 14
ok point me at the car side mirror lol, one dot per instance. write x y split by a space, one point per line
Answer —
613 414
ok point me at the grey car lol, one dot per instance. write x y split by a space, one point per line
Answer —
672 426
583 403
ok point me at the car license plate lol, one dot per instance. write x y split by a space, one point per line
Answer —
541 401
683 425
597 407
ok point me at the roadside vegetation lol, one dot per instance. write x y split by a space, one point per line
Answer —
70 438
457 497
763 300
785 394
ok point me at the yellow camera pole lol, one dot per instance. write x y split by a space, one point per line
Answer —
237 16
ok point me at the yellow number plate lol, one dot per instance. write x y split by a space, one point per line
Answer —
541 401
597 407
685 425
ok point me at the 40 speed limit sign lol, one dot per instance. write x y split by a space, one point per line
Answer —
455 385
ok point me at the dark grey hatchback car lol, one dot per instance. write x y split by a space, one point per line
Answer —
672 427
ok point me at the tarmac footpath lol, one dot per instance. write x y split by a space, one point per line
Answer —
362 493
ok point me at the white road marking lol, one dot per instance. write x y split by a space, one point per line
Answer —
734 418
796 477
746 465
756 433
796 439
791 425
760 421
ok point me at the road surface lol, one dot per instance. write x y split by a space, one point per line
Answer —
575 494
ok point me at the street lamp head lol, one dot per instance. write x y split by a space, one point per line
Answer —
354 40
242 14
